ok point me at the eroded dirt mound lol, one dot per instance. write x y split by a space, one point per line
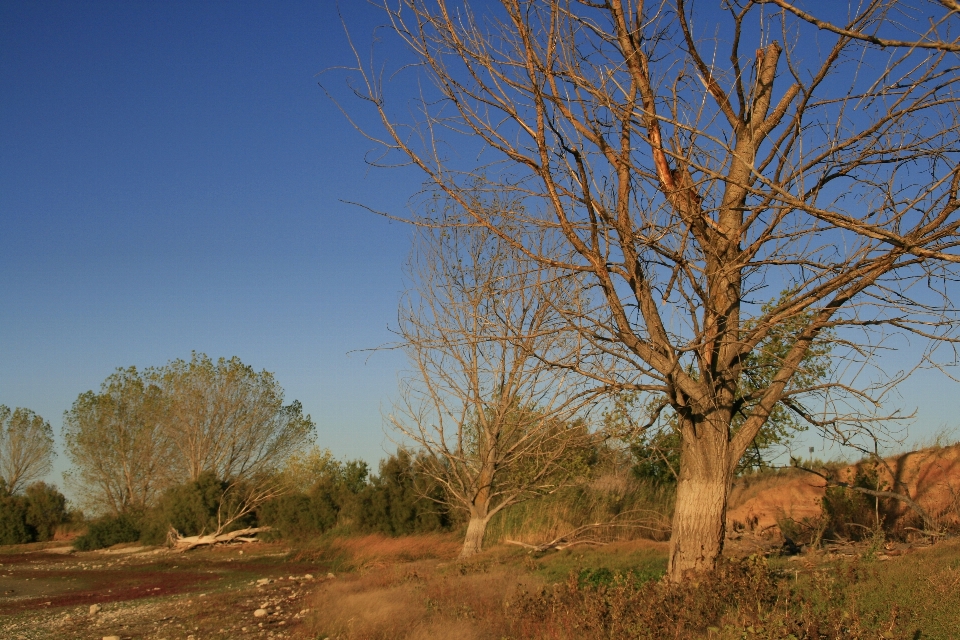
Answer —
931 477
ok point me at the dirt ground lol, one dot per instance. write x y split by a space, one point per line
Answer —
47 592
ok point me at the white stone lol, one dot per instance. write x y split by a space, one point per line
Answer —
259 613
95 609
263 581
308 577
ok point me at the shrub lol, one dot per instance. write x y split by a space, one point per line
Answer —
194 508
108 531
13 520
33 516
402 500
46 510
299 515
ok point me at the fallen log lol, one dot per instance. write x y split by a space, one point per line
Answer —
185 543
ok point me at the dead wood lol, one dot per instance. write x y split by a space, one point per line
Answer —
185 543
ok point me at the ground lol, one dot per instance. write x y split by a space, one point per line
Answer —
47 592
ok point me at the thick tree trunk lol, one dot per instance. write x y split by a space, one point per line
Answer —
699 519
473 543
699 522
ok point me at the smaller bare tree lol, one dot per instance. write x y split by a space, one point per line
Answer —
26 447
500 426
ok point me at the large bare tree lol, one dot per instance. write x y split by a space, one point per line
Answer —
26 447
697 164
498 424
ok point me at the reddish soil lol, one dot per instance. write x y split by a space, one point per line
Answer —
930 476
153 593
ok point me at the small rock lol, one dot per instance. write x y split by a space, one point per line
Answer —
308 577
263 581
330 575
95 609
111 637
259 613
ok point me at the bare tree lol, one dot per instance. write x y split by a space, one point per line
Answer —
122 457
499 425
696 165
26 447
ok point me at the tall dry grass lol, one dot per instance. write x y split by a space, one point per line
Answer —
629 509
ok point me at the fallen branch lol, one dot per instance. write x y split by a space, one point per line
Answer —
185 543
573 538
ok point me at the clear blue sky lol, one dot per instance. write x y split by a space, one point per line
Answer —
171 179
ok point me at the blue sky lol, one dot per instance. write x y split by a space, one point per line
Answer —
172 178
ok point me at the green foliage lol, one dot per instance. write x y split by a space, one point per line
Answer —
32 516
46 510
195 508
325 495
13 518
108 531
657 457
401 500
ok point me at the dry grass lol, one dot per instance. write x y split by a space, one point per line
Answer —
506 594
419 601
377 550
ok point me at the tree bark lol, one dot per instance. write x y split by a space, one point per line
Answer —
473 543
700 516
699 524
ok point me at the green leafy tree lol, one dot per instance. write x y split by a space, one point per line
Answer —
402 499
122 457
13 518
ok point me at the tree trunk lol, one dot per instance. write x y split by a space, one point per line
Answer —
473 543
699 519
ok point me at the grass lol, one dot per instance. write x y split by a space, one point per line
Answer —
614 592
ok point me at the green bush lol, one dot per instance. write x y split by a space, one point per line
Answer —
108 531
46 510
194 508
13 519
402 500
33 516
